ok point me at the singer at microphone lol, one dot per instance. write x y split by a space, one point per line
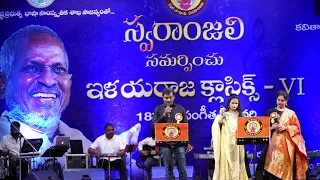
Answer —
170 112
11 143
285 156
274 115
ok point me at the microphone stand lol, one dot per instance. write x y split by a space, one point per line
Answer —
20 137
19 152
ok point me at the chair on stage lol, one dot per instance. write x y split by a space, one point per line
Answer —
143 159
141 166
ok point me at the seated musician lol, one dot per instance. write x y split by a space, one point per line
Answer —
147 148
109 143
11 144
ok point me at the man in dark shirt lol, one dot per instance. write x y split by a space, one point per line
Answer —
169 112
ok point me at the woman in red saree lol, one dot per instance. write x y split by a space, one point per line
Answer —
286 156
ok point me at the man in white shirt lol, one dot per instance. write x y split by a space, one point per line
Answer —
110 143
11 143
147 148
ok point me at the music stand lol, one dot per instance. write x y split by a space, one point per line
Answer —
253 130
31 146
171 134
55 151
130 148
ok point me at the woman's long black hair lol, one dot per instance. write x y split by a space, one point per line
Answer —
239 108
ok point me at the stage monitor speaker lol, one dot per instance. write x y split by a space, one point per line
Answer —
317 7
158 173
84 174
314 173
42 175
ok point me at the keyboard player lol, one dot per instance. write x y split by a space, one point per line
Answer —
109 143
11 143
209 156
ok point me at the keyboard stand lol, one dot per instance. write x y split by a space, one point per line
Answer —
109 165
109 170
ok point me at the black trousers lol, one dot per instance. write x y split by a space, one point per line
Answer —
116 164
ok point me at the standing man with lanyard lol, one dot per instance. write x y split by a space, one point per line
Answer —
169 112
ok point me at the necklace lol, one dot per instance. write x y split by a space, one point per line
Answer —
280 109
234 114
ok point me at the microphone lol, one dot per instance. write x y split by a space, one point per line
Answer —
273 114
224 117
6 116
168 106
20 136
276 120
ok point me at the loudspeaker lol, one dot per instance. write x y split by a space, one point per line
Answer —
159 172
93 174
314 173
42 175
317 7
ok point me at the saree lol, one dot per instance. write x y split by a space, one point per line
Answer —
230 163
286 149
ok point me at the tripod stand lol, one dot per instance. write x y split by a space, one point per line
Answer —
130 148
109 170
